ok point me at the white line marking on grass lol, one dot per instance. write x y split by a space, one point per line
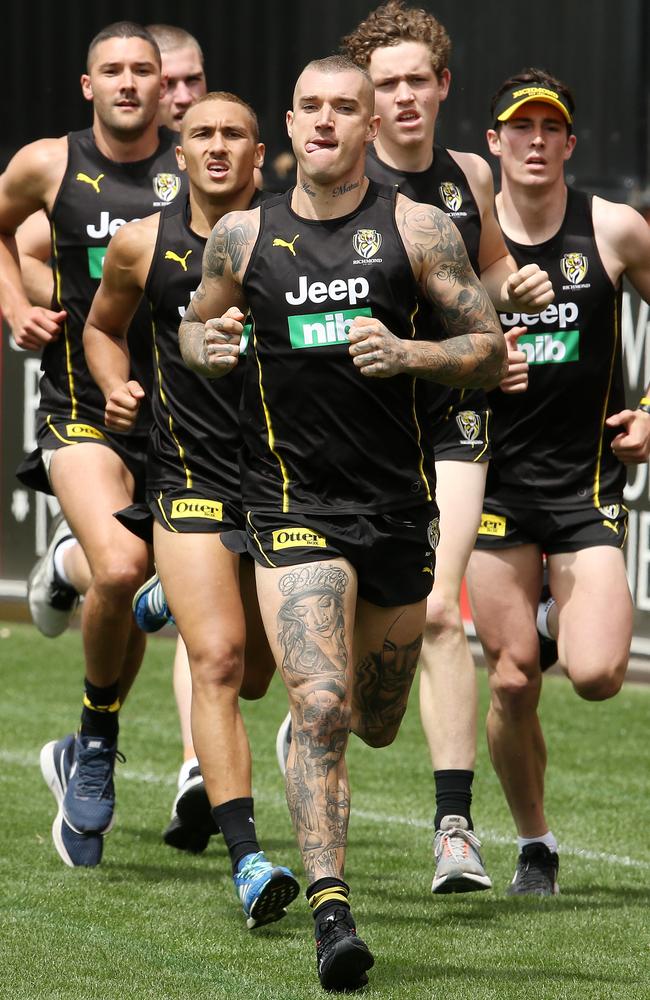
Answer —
30 760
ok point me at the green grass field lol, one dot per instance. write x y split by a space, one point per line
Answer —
158 924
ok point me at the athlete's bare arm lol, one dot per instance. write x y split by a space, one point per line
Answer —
475 352
35 250
623 240
124 274
511 289
210 345
29 184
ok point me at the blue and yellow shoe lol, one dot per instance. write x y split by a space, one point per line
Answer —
74 848
264 890
150 606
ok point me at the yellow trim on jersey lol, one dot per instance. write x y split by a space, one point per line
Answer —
605 407
66 332
189 482
486 436
55 432
271 433
256 539
164 516
418 429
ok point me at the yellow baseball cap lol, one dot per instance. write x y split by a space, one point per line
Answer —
513 99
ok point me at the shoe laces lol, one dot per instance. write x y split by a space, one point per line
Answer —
256 865
455 843
337 924
95 771
536 869
156 600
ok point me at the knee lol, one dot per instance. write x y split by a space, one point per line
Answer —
443 616
322 721
216 666
601 686
255 682
118 577
379 739
514 686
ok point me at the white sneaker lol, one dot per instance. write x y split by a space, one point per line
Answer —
283 742
51 602
459 867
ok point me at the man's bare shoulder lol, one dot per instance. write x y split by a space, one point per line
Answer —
477 171
134 239
40 163
621 231
423 227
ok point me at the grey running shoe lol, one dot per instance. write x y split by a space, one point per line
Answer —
459 867
283 742
536 872
51 602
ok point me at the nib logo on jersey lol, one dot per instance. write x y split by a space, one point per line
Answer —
555 347
327 328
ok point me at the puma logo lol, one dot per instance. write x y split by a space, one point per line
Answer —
283 243
89 180
170 255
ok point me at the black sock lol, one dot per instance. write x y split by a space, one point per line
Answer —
326 894
236 821
99 716
453 795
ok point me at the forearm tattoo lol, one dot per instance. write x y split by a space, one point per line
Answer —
312 638
474 354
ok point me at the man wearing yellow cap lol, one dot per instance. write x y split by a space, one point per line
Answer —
562 437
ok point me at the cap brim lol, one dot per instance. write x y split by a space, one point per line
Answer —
509 112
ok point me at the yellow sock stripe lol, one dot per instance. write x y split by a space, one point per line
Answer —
115 707
336 894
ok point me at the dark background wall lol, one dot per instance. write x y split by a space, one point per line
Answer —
257 47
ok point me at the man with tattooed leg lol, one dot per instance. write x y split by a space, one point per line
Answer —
339 497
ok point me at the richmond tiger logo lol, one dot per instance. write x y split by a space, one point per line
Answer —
451 196
367 242
469 424
166 186
574 267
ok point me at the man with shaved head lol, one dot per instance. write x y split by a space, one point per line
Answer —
339 497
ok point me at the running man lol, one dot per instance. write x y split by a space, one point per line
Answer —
339 497
406 52
183 72
89 183
562 437
192 472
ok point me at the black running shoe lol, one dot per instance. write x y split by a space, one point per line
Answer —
547 647
342 958
191 823
536 872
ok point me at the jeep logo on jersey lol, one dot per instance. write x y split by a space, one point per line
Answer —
561 315
212 510
367 242
451 196
339 289
550 348
297 538
106 227
166 186
323 329
469 425
574 267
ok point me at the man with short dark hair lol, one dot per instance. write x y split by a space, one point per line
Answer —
562 437
183 73
89 183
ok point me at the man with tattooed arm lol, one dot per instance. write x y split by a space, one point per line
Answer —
338 495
